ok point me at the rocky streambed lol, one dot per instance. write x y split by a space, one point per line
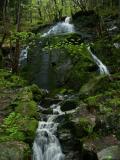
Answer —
82 133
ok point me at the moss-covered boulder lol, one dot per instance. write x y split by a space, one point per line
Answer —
38 93
83 127
14 150
24 103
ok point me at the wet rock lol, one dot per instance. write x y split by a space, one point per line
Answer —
72 128
47 102
70 145
69 104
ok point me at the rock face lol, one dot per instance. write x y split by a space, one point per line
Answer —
57 66
70 144
48 68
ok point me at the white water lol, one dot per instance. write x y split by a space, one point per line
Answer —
103 69
117 45
23 54
46 145
112 28
61 27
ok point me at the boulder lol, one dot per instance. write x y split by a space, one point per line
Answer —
109 153
103 148
14 150
69 104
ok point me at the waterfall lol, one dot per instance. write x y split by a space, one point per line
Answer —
61 27
103 69
23 54
46 146
67 19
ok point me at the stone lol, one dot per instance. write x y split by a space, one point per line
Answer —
69 104
14 150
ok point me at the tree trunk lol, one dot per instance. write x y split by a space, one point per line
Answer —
16 54
4 23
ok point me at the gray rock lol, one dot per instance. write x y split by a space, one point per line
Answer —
109 153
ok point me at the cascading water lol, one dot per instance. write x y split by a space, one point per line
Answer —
61 27
23 54
46 145
103 69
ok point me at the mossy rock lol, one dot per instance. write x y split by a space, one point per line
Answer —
18 127
83 128
14 150
24 103
97 84
27 108
38 93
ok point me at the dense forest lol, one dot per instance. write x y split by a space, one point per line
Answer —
59 79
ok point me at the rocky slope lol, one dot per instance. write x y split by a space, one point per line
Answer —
91 102
18 116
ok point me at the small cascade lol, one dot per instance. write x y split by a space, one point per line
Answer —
67 19
46 145
23 54
61 27
103 69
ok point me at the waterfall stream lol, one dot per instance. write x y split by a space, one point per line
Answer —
46 146
23 54
61 27
103 69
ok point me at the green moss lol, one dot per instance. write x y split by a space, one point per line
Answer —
92 101
85 124
37 92
27 108
21 123
114 103
24 103
97 83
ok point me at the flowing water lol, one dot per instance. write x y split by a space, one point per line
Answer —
61 27
23 54
46 145
103 69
